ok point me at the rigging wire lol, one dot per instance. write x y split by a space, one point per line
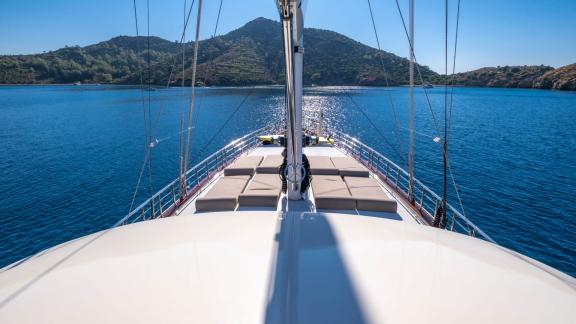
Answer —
250 92
138 183
150 142
449 117
243 101
211 60
450 110
208 67
143 106
226 122
392 106
456 190
440 213
172 68
150 186
445 146
454 64
382 136
141 74
417 65
183 43
217 18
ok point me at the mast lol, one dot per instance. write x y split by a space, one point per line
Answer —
191 105
411 126
292 28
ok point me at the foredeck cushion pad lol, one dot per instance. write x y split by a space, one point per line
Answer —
336 202
330 192
261 199
321 165
216 203
263 190
376 204
245 165
270 164
369 195
224 194
348 167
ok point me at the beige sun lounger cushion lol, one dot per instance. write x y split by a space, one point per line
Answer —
330 192
224 194
369 195
270 164
264 190
348 167
321 165
245 165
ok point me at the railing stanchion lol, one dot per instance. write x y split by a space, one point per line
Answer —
160 205
173 195
422 199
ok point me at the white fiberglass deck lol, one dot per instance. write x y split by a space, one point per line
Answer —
403 213
291 263
274 267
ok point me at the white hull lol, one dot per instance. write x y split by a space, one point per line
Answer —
287 264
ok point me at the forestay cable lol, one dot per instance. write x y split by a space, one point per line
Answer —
150 186
226 122
392 106
143 106
418 70
450 111
382 136
169 81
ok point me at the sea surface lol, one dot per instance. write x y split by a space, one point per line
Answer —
70 156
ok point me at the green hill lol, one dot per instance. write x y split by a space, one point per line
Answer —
251 54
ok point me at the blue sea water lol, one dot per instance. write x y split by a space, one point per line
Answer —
70 156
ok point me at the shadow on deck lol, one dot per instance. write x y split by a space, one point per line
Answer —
310 283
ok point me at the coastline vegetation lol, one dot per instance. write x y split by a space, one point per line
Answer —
252 55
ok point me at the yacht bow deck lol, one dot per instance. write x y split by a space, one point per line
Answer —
290 263
402 213
283 267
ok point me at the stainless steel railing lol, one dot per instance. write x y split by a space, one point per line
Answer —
164 202
425 200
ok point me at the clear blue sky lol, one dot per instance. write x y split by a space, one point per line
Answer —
493 32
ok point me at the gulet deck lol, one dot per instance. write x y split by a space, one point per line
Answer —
308 204
289 263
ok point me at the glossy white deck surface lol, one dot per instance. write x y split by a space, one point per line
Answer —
205 269
253 267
